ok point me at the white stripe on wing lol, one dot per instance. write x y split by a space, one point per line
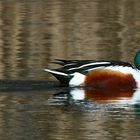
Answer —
89 64
56 72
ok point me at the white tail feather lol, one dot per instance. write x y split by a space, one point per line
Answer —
56 72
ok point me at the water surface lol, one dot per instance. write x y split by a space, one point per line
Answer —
32 34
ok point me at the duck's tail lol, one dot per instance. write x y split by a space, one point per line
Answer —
64 78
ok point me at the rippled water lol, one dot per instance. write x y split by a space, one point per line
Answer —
39 115
32 34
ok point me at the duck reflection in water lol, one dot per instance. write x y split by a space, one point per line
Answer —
106 96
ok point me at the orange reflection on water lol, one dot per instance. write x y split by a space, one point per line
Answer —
106 96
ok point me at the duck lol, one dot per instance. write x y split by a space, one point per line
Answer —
105 75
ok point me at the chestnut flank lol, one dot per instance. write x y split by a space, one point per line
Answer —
110 80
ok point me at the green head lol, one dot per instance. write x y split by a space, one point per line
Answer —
137 60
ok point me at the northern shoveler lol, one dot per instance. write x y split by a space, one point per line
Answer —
99 74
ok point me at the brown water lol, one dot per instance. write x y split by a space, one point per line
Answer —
32 34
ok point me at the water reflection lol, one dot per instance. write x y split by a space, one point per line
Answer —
40 114
106 96
33 33
86 116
